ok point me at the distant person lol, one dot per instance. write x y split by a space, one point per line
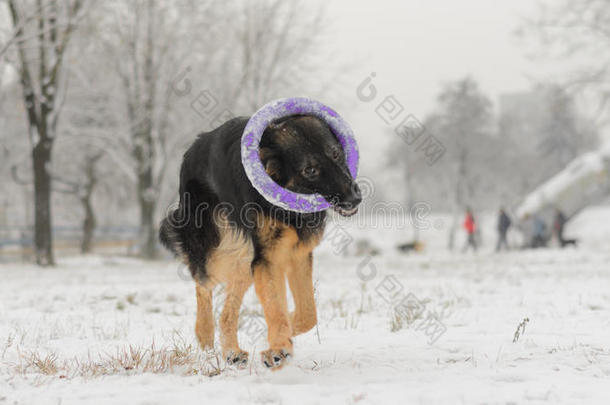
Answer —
504 223
558 226
470 226
538 234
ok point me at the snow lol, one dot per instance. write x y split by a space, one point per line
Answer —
91 307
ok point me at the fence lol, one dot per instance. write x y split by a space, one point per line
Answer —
16 243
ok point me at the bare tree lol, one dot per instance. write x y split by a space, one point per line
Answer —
275 49
547 131
577 32
464 121
89 222
81 185
463 118
14 33
466 174
82 168
41 46
566 133
83 188
146 41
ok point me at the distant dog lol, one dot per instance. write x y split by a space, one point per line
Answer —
226 232
410 247
566 242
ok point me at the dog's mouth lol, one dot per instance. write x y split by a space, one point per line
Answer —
345 211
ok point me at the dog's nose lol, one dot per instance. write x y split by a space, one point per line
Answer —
354 197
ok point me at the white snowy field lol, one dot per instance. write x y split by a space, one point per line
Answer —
109 330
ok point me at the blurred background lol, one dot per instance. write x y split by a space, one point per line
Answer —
460 109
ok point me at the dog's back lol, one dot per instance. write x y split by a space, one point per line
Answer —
212 183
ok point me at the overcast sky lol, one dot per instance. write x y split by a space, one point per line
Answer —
414 45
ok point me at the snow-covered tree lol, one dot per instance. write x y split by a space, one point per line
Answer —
40 45
469 173
146 42
274 49
576 34
547 130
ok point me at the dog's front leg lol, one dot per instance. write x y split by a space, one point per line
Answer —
204 326
300 279
270 285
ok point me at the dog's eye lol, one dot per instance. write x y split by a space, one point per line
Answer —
310 171
336 154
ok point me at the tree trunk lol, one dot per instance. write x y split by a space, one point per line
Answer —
39 78
140 85
89 221
43 238
147 202
458 199
89 224
455 223
148 235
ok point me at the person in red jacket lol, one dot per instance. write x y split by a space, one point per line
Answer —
470 226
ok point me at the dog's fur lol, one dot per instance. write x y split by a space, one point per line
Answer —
226 232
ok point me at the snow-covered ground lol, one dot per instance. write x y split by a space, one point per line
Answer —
429 328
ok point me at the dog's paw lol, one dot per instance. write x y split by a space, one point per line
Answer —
276 358
237 358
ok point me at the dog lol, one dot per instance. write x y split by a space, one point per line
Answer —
415 246
565 242
226 232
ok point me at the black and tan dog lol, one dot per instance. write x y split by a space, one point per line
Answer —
226 232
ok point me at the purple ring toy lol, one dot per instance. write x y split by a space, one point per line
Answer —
255 171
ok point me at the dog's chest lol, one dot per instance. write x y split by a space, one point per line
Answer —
279 237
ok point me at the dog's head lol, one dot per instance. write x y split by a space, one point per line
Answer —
301 154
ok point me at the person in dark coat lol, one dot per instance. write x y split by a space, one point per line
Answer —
504 223
558 226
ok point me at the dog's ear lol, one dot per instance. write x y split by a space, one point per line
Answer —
277 125
280 132
272 163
